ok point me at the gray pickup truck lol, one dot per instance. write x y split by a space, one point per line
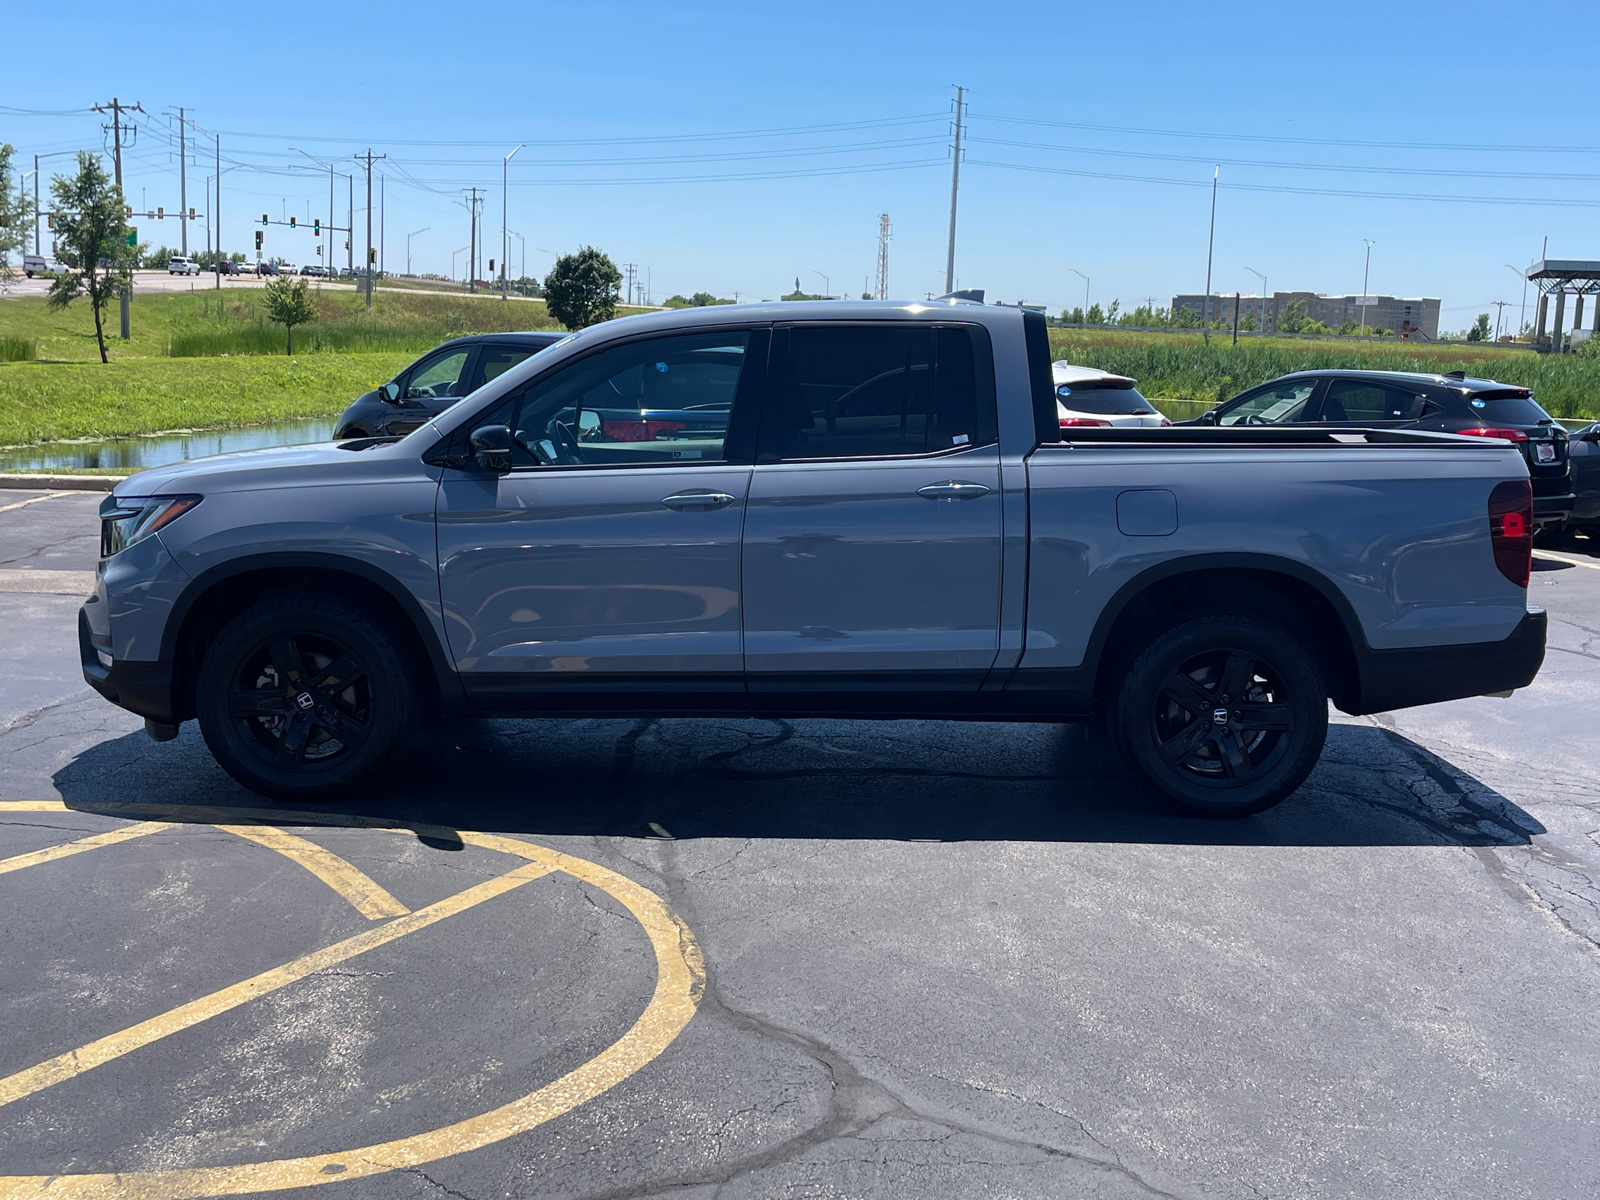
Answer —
826 510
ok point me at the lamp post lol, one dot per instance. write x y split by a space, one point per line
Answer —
1522 315
505 243
453 254
827 287
409 236
1263 279
1365 275
1085 279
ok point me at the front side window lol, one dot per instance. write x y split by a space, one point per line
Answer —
1271 406
663 400
864 392
1358 400
437 377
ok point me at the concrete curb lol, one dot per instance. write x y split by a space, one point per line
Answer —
62 483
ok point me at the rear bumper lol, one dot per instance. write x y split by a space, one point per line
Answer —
1553 510
1430 674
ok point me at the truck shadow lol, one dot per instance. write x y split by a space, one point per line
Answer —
905 780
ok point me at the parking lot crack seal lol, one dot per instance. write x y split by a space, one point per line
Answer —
432 1182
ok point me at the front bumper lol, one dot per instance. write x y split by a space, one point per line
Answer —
1391 679
143 688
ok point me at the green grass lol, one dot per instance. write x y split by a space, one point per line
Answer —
48 401
1182 367
18 349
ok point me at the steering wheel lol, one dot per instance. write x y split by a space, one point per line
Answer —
562 436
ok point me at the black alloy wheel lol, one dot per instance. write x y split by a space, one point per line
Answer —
302 702
304 696
1226 715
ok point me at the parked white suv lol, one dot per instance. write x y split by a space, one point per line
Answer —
1085 396
183 266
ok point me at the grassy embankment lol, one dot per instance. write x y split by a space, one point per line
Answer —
1189 377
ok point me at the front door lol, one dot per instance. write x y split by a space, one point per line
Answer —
873 530
602 572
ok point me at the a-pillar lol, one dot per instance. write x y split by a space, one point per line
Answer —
1556 335
1539 323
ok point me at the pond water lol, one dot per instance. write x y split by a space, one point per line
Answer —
160 449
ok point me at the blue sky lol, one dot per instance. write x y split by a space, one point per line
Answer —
1094 130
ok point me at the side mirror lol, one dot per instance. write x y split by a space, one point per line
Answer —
391 392
491 446
1592 434
1209 416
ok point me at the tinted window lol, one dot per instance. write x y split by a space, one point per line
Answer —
1109 402
494 361
1508 410
665 400
873 392
1271 405
1360 400
436 377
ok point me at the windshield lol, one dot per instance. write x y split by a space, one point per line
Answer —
1520 409
1108 400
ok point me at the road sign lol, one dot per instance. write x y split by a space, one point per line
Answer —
133 238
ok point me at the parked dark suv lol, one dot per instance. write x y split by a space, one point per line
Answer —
1453 403
436 381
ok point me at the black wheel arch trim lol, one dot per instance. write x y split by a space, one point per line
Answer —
449 682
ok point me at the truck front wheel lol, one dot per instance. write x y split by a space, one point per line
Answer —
1225 715
303 696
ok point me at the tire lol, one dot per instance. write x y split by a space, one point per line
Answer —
354 697
1165 715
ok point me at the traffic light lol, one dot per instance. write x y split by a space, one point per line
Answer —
316 227
127 212
258 239
263 218
372 254
491 266
49 220
291 222
161 213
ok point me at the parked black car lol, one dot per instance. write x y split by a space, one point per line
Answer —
1453 403
436 381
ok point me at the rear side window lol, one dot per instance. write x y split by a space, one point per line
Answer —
874 392
1361 400
494 361
1507 410
1105 401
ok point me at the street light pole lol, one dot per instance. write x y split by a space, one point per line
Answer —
1522 317
409 236
1365 275
1211 242
1263 279
505 242
827 287
1085 310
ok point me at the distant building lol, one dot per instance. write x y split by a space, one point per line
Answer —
1401 315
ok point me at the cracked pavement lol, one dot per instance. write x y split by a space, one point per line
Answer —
943 960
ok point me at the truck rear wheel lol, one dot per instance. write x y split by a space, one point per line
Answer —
1225 715
303 696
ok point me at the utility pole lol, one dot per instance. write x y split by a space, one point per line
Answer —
632 271
1211 242
218 138
117 108
505 244
350 223
1366 273
955 185
36 249
183 188
884 231
1499 307
472 244
370 256
383 212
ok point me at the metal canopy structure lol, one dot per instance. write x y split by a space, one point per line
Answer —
1561 277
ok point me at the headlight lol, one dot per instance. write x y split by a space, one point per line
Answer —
137 517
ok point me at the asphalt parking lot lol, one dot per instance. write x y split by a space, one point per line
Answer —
817 959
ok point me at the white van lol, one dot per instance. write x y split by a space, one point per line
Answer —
38 264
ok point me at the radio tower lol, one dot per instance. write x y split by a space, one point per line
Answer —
883 257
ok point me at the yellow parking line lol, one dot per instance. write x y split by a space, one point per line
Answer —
369 899
93 842
1577 562
103 1050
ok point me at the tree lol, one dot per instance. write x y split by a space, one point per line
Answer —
90 225
14 213
581 289
1480 329
289 304
698 300
1095 316
1293 318
1247 323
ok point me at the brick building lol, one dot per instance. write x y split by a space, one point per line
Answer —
1407 316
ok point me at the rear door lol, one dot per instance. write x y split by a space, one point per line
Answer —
872 535
1369 404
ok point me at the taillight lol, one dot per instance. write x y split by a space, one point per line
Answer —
1076 422
1510 435
1511 529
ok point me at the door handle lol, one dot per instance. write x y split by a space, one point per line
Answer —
953 489
689 501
